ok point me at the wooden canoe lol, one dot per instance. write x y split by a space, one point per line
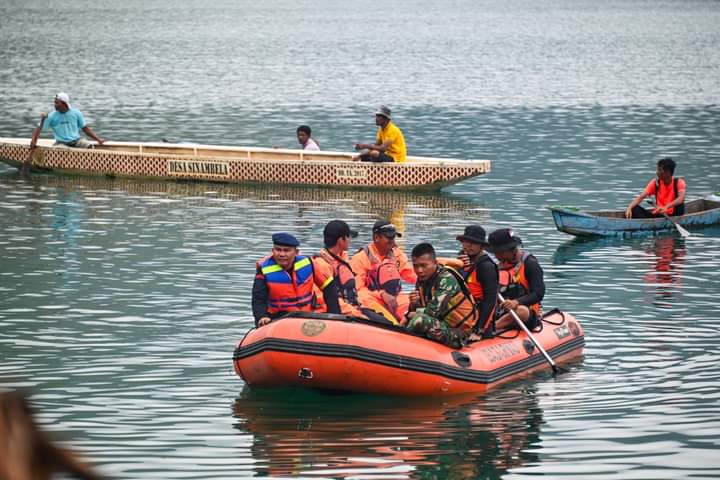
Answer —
213 163
336 352
698 213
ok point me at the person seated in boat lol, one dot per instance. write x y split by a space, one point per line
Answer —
379 269
337 237
669 194
303 135
521 281
66 123
480 273
285 281
389 143
442 307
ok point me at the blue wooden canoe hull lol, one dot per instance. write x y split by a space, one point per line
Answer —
700 213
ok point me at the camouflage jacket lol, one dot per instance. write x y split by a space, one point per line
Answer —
436 293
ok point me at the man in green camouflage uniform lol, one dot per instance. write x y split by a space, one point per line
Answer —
433 302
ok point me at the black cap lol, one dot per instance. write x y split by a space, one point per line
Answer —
503 240
474 234
385 228
285 239
336 229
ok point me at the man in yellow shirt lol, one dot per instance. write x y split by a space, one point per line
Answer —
389 144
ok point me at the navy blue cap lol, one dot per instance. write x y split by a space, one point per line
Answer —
285 239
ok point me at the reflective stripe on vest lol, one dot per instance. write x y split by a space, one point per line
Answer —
513 283
289 291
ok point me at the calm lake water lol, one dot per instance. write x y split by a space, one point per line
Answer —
121 301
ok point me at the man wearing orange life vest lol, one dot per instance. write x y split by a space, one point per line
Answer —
337 237
521 281
285 281
669 194
480 274
379 268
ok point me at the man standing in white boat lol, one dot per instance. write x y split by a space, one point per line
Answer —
389 143
66 123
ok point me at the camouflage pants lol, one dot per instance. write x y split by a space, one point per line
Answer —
437 330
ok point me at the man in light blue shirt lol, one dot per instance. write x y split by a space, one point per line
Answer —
66 123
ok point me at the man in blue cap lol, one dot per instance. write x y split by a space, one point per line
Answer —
286 282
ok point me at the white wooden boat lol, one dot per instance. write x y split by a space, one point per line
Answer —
240 165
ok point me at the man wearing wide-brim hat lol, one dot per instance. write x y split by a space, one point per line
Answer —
521 281
389 143
285 281
481 275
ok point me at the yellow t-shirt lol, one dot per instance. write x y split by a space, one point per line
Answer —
396 149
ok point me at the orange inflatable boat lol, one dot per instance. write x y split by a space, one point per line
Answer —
337 352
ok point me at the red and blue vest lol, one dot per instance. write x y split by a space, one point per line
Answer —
289 291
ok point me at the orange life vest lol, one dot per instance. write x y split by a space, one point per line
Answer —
513 283
289 291
385 274
345 279
476 288
470 276
461 310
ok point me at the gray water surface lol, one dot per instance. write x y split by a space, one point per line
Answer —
121 301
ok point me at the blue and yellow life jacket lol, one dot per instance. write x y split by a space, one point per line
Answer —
289 291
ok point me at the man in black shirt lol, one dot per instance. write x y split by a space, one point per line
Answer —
521 280
481 276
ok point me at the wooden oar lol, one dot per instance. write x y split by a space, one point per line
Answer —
556 370
33 143
679 227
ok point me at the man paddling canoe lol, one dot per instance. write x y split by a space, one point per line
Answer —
669 194
66 123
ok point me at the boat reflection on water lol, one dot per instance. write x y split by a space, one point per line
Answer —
661 262
578 249
310 203
300 432
665 279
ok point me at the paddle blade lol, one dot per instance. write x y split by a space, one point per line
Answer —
682 230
